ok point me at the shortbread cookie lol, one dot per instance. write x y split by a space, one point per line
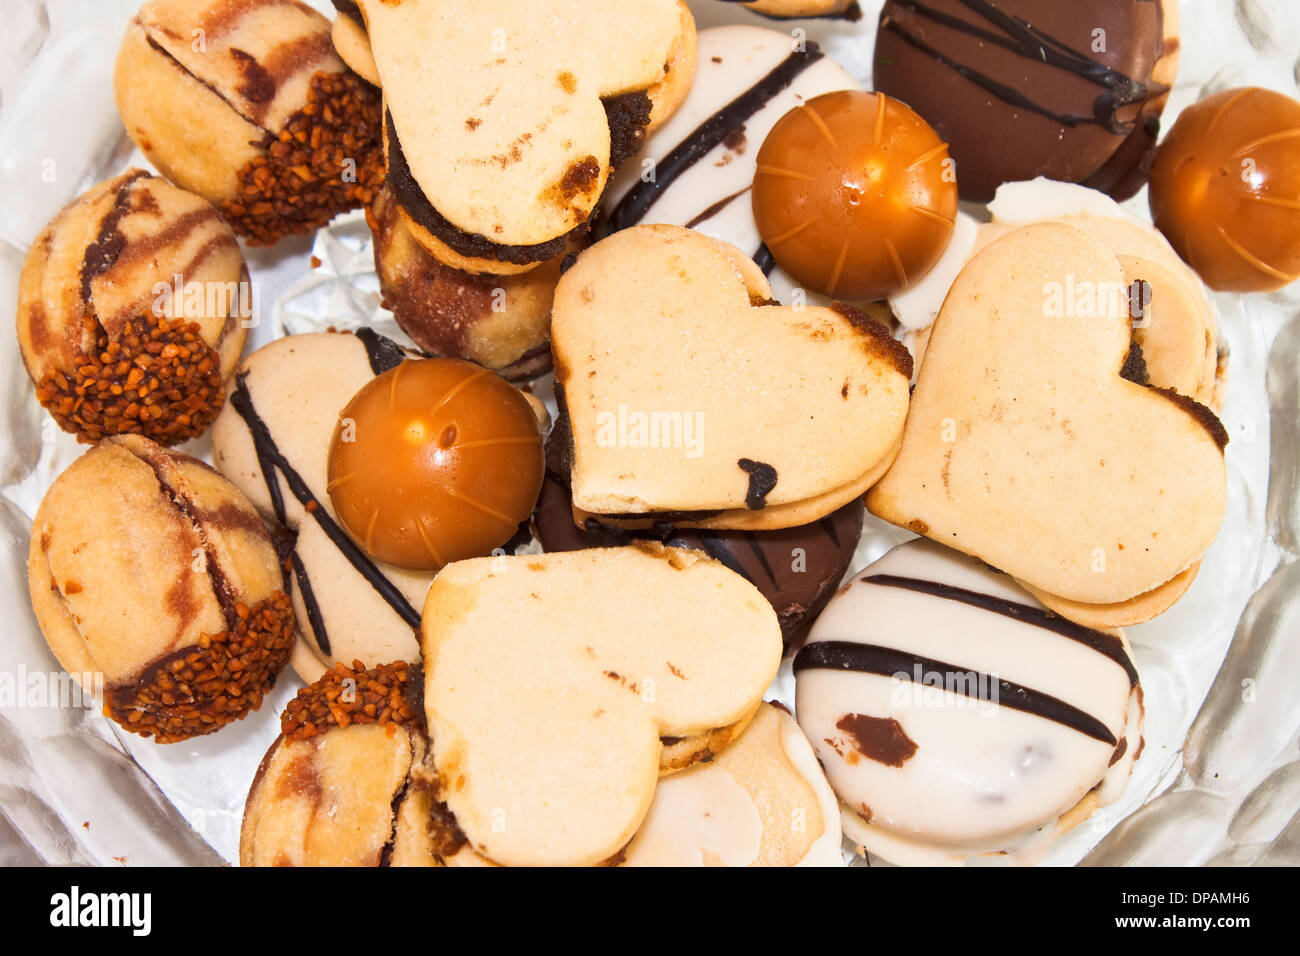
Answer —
956 717
786 9
272 440
692 399
698 169
1026 447
351 42
797 569
1175 326
150 572
247 105
500 322
558 688
763 801
534 107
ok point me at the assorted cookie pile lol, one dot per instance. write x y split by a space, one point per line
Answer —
540 634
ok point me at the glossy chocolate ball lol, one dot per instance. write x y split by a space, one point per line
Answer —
1225 189
855 195
434 461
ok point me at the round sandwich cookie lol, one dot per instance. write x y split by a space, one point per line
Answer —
1224 187
133 305
703 160
1175 339
692 398
1025 88
1034 444
797 569
154 580
500 322
347 783
248 105
639 662
505 167
955 717
273 442
789 9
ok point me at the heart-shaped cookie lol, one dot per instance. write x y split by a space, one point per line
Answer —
1026 448
504 119
690 393
559 687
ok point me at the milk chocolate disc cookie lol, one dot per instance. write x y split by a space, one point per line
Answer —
1026 446
273 441
500 322
956 717
703 159
559 687
1025 88
249 106
535 106
133 305
797 569
693 399
150 572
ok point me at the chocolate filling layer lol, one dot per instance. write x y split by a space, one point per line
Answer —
628 117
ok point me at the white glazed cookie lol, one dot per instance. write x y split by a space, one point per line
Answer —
1027 447
288 394
704 157
534 106
762 801
559 687
955 716
795 411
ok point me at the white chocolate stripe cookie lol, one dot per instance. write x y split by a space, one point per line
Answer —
951 711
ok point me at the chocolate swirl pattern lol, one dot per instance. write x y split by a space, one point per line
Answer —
1017 722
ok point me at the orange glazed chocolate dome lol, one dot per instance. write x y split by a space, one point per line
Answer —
434 461
1225 189
855 195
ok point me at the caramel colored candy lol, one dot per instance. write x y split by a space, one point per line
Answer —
1225 189
434 461
855 195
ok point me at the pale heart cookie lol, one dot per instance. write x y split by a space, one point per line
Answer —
762 801
1026 448
1175 326
956 717
272 441
704 158
558 688
689 394
504 121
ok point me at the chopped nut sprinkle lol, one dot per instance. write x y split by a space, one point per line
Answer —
298 183
160 380
201 689
384 695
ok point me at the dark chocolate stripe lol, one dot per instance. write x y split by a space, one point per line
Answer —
761 556
717 207
888 662
1105 644
269 453
1031 43
315 617
763 258
632 208
714 548
384 354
